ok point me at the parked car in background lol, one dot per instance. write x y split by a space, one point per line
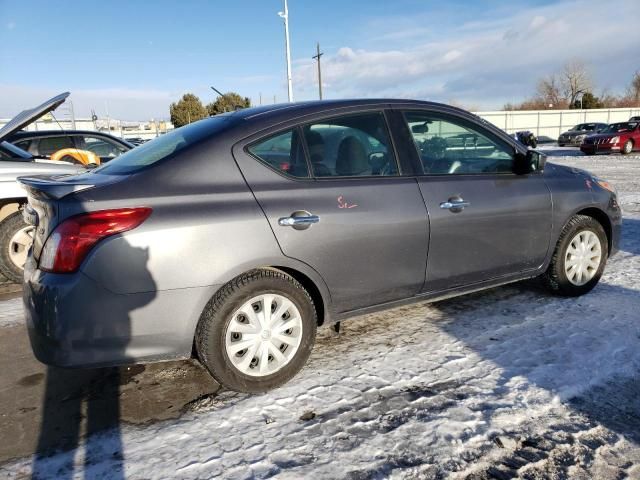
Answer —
623 137
136 140
577 134
238 235
46 143
16 235
635 119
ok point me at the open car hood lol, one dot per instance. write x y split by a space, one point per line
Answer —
26 117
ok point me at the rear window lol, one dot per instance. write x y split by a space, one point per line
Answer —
165 146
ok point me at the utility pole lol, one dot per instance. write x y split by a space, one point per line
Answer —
317 58
285 16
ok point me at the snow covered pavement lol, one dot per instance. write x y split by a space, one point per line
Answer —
505 383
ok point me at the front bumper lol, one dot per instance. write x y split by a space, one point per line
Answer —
75 322
570 141
599 148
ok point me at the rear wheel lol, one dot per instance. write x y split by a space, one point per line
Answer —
627 148
16 238
257 332
579 258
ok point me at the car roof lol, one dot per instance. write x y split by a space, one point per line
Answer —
302 108
270 115
62 133
48 133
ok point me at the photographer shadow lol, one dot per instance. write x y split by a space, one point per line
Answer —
79 403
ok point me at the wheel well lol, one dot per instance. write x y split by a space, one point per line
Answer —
310 287
600 217
10 205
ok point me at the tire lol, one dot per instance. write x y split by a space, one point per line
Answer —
556 278
223 318
627 148
12 239
561 144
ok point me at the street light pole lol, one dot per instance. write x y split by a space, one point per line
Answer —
317 57
285 16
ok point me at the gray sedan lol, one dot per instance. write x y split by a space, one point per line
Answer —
233 238
577 134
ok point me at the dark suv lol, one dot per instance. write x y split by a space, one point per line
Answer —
236 236
45 143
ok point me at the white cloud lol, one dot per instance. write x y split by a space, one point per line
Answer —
122 103
486 64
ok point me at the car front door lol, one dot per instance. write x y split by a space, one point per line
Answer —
486 222
334 197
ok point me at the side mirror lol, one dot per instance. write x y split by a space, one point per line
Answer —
529 162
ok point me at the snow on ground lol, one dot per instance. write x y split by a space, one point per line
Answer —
11 312
505 383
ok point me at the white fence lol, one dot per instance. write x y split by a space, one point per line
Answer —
552 123
144 130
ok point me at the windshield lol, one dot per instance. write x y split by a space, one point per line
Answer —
165 146
621 127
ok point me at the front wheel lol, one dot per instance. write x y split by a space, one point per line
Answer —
579 257
16 238
257 332
627 148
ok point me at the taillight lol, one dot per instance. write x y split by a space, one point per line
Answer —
71 241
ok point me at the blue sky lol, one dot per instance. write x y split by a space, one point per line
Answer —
135 57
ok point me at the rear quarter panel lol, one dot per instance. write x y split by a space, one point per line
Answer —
205 225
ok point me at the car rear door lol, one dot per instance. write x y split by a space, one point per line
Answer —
335 199
486 222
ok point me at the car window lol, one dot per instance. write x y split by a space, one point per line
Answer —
283 152
456 147
103 148
165 146
50 145
621 127
23 144
350 146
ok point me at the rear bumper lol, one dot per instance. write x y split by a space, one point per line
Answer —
75 322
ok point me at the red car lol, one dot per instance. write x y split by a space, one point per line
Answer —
621 137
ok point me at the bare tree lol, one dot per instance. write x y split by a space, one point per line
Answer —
575 80
634 88
548 92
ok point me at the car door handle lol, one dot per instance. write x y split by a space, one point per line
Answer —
454 204
299 220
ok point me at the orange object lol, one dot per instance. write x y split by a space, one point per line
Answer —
73 155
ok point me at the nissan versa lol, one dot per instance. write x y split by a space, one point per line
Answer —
233 238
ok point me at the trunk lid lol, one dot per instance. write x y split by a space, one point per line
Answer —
45 194
26 117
